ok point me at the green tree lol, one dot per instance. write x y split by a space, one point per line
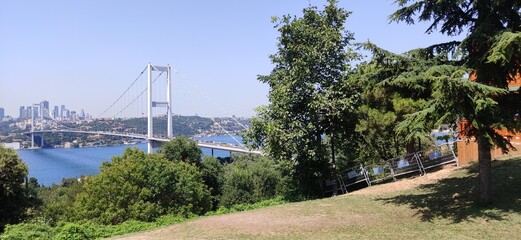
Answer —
182 149
308 97
59 199
492 54
250 179
212 171
142 187
14 199
390 88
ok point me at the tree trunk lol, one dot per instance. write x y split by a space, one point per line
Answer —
410 146
485 170
333 165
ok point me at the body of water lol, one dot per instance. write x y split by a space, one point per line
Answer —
52 165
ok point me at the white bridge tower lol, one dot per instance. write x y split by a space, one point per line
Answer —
151 104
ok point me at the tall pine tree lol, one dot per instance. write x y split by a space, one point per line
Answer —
491 54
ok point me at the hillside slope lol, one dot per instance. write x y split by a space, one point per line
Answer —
436 206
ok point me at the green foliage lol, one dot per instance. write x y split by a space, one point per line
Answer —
24 231
90 230
14 197
390 88
142 187
278 200
250 179
308 95
58 200
212 171
505 50
182 149
491 51
72 231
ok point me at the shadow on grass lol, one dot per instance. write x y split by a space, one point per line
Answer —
457 198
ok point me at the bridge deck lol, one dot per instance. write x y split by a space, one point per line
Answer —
202 144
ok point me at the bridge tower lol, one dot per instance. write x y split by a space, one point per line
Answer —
32 125
151 104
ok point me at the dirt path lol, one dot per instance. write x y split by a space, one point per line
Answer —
289 220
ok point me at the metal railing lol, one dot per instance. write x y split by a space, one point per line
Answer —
390 169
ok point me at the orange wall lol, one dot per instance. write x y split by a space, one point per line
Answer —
468 152
468 148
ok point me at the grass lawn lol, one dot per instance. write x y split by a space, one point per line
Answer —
445 208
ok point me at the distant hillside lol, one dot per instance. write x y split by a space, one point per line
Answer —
182 125
191 126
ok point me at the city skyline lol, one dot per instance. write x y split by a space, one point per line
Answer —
43 109
85 54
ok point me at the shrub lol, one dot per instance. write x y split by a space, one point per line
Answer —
142 187
23 231
250 179
72 231
212 171
58 199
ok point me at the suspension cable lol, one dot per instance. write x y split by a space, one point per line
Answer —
208 98
213 119
119 98
141 94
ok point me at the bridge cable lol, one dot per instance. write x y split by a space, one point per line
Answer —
207 97
213 119
119 98
141 94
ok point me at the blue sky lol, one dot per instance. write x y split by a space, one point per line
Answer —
84 54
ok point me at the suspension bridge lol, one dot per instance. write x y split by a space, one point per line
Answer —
141 95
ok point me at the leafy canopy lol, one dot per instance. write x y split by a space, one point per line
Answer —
181 149
142 187
308 97
14 199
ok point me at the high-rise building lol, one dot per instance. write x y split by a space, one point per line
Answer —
45 104
82 115
44 109
63 112
29 111
56 112
22 112
1 113
74 116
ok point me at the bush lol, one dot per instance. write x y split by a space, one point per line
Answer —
23 231
59 199
250 179
72 231
213 170
142 187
